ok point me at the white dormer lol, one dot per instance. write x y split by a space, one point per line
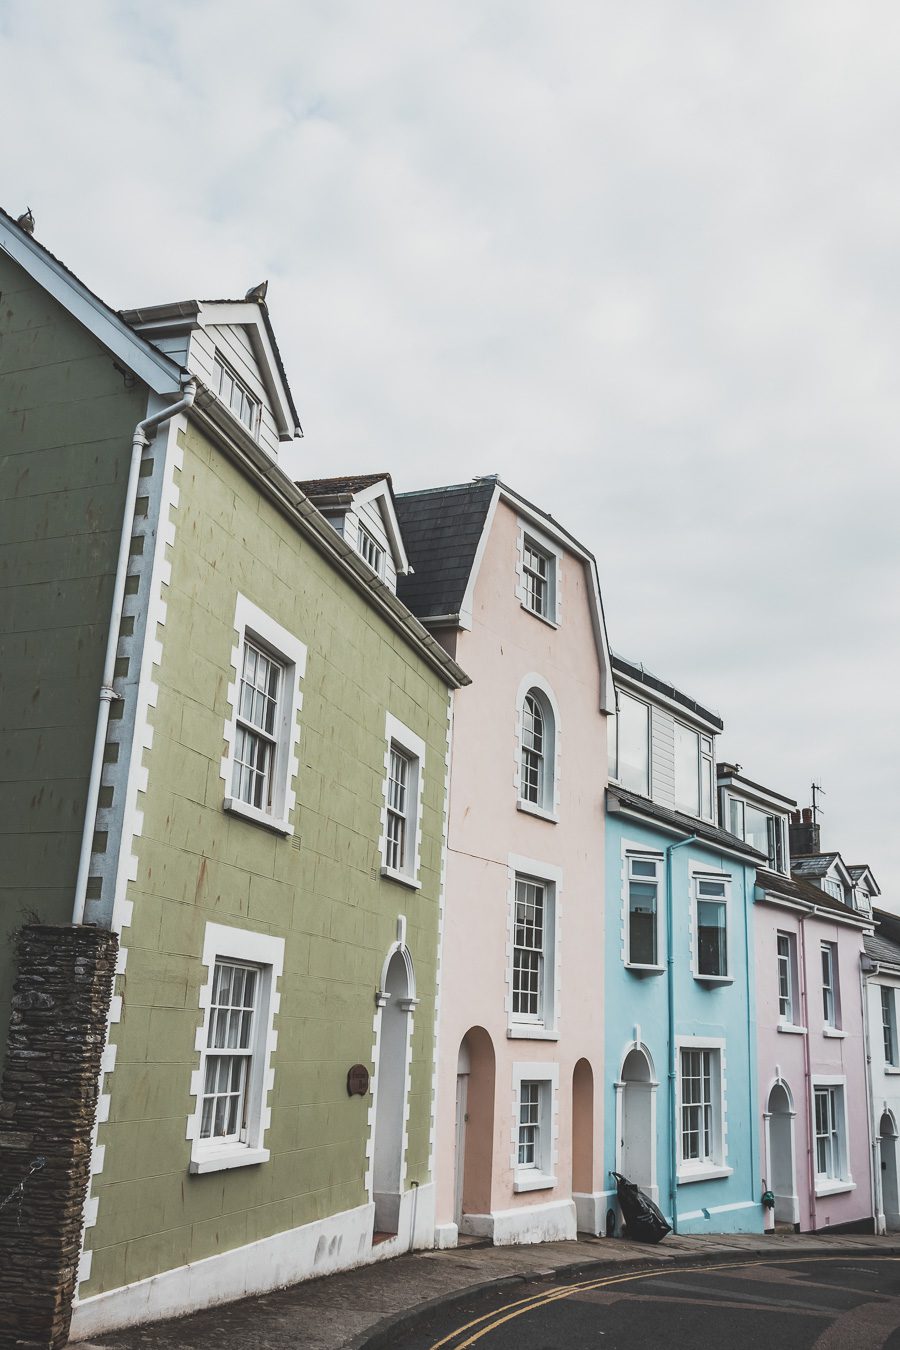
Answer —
230 346
865 888
757 815
362 510
837 881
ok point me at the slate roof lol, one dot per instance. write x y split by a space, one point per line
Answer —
795 888
638 672
441 529
337 487
812 864
711 834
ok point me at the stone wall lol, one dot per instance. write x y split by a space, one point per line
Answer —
48 1099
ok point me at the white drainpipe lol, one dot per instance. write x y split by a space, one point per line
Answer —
140 440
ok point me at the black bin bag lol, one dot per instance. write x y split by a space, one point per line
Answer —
643 1220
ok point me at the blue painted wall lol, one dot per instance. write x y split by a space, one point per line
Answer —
637 1005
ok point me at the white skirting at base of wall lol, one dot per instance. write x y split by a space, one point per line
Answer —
590 1211
552 1222
321 1248
446 1235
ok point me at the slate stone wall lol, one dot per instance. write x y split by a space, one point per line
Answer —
48 1098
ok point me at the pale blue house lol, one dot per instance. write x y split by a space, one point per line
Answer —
681 1111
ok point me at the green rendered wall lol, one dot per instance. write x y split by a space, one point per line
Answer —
66 420
320 890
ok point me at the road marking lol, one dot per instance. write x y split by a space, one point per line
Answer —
537 1301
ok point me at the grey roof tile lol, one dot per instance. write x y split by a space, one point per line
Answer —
617 797
441 530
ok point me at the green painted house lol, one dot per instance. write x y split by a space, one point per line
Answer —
245 784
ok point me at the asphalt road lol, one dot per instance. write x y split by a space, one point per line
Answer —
831 1303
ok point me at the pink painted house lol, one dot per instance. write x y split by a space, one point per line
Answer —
519 1088
809 926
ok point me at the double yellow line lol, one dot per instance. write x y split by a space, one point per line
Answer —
510 1311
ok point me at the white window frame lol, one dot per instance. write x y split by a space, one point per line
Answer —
631 853
888 996
643 790
787 963
547 808
689 1170
522 1026
700 873
840 1178
831 988
401 738
253 625
220 369
530 536
367 544
776 834
540 1176
266 953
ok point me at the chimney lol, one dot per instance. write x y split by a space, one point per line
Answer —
804 833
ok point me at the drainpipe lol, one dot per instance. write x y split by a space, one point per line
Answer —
868 967
807 1074
143 433
670 997
752 1078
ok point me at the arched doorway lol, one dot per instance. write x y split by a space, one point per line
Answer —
583 1146
780 1134
397 998
636 1151
474 1133
887 1131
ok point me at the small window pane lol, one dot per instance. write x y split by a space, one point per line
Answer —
687 770
634 745
711 938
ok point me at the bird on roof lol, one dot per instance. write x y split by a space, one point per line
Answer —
257 292
26 221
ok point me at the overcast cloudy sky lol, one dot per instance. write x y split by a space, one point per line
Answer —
641 260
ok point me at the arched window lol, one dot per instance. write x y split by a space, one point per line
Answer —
537 752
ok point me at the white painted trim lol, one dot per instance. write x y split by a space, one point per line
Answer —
543 1177
553 1221
619 1088
254 623
845 1181
631 848
267 952
247 314
717 1209
380 492
468 600
687 1172
519 866
552 550
339 1242
549 808
397 733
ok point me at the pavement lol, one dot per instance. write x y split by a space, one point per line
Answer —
368 1308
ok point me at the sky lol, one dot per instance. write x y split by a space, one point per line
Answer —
640 260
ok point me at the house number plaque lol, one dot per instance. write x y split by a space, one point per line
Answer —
357 1081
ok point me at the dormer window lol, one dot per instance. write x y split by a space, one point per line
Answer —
370 551
235 395
762 830
834 888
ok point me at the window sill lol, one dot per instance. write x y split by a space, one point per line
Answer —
790 1029
713 979
226 1157
530 809
892 1068
834 1033
835 1187
238 808
644 970
524 1031
532 1181
551 623
391 874
710 1173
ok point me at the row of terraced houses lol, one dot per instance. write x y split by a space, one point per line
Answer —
359 899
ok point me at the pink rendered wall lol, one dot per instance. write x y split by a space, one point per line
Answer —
506 644
782 1054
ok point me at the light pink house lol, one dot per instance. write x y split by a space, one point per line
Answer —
809 925
519 1080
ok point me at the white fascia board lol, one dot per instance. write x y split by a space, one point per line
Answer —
869 881
381 493
152 367
771 802
569 545
845 876
468 601
246 314
678 710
